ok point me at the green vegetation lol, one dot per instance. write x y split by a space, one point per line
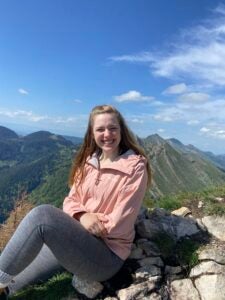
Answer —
166 244
187 255
191 200
55 288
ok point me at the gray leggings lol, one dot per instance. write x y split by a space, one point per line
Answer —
49 241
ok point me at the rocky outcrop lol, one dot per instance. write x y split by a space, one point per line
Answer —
173 258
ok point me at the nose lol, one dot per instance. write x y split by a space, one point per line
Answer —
107 132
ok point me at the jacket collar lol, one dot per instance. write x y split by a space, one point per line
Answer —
124 163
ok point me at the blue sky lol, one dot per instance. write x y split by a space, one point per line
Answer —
161 63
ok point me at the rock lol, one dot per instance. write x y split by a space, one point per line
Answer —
219 199
160 222
136 291
200 204
136 253
215 254
173 270
147 271
211 287
150 248
201 225
183 290
157 261
207 267
87 288
215 226
182 212
154 296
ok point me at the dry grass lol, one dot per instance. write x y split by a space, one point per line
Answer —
21 208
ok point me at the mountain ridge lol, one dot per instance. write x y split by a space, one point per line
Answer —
39 164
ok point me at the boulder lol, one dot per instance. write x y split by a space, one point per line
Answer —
183 290
211 287
215 226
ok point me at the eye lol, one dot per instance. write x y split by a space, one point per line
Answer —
100 129
113 128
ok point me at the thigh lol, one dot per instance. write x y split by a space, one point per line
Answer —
75 248
44 266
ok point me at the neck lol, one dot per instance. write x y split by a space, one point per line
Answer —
108 157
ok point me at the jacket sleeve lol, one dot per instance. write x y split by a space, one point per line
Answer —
71 204
120 222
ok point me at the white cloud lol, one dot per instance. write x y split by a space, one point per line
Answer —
77 101
34 118
176 89
192 122
23 92
215 131
161 130
132 96
142 57
198 53
194 97
204 129
136 120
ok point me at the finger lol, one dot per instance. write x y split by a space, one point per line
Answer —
102 229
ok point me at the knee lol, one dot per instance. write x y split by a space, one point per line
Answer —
39 212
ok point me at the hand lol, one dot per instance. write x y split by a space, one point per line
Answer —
91 222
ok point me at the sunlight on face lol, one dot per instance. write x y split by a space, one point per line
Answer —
106 131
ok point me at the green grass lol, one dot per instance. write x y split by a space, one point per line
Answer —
191 199
55 288
186 251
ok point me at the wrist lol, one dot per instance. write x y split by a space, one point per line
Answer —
77 216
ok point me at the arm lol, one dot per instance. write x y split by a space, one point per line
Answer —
72 205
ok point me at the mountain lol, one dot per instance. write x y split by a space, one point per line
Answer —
39 164
218 160
32 161
177 168
75 140
6 133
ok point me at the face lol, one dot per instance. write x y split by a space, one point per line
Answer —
106 130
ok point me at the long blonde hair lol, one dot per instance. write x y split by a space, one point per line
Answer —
89 146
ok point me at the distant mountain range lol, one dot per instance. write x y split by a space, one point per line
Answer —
39 164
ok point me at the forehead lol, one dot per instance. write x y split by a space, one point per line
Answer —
105 119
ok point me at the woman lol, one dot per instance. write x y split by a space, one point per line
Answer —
93 234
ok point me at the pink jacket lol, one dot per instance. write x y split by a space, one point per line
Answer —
115 192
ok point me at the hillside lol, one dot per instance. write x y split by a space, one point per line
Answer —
39 164
27 163
218 160
175 169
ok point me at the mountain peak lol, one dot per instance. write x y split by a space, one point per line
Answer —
6 133
155 138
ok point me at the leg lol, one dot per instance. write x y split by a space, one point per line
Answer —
43 267
74 248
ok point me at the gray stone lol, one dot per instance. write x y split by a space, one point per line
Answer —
89 289
211 287
147 271
183 290
150 248
173 270
136 291
174 226
215 254
157 261
136 253
215 225
207 267
201 225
